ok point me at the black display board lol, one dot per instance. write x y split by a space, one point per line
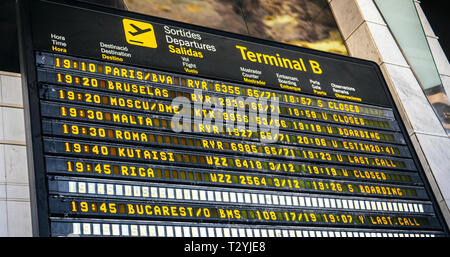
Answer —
107 159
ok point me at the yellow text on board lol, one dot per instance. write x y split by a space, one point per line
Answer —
278 61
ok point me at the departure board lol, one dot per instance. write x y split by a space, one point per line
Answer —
140 126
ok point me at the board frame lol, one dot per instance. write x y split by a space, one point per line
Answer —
33 122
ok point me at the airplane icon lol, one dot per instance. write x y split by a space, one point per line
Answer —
138 30
139 33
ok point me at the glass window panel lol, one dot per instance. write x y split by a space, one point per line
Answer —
403 20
